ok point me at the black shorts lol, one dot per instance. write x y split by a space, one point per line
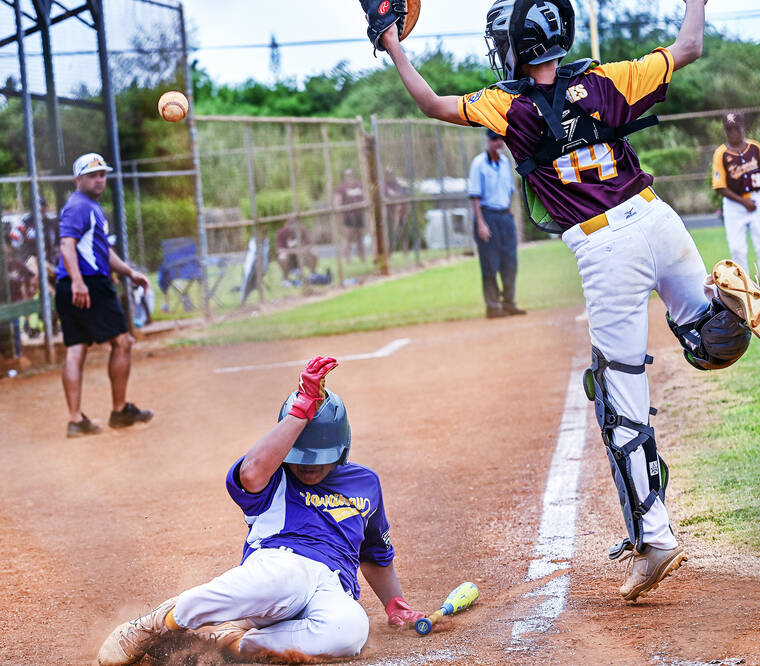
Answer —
104 320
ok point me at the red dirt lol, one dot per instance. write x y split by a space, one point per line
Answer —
460 424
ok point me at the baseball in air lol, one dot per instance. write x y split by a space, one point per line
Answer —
173 106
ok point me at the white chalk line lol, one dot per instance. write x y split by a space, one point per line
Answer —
387 350
555 544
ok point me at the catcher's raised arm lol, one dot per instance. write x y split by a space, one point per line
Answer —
381 16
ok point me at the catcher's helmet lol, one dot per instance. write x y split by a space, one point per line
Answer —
326 439
520 32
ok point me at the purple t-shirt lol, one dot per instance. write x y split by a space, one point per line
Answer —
591 180
83 220
339 522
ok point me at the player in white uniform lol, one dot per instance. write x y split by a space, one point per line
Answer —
314 518
736 177
565 126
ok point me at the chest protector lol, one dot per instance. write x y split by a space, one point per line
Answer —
568 128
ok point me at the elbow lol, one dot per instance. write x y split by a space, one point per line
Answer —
687 51
252 477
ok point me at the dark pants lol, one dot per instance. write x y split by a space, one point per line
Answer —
498 256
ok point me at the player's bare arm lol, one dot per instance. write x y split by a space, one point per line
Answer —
80 294
385 584
268 453
482 227
116 264
749 204
431 104
688 45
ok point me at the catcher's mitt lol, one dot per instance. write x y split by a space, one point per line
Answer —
382 14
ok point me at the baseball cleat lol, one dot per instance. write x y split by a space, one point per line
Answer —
130 641
224 638
82 428
650 569
129 415
738 293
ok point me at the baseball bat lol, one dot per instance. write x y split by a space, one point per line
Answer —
458 600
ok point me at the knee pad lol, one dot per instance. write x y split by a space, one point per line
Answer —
619 456
717 339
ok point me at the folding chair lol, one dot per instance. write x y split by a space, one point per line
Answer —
255 255
180 268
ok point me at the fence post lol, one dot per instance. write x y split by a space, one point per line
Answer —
334 227
374 165
197 182
466 173
138 217
294 190
409 155
254 211
6 328
31 158
441 179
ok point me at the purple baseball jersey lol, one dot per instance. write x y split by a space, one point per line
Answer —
83 219
591 180
339 522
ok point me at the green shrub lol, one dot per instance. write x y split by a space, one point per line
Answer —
670 161
161 219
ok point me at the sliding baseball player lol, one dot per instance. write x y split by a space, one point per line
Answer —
313 519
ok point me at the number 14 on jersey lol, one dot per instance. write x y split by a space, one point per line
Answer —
569 167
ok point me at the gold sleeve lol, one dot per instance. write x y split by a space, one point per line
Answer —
719 170
488 107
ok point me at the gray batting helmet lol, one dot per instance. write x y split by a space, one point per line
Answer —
326 439
520 32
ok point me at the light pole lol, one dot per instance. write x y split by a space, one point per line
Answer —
593 30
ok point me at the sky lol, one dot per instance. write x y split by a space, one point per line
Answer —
256 21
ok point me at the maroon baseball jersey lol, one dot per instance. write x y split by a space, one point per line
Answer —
593 179
739 171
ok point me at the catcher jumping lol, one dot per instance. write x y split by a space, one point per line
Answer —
566 126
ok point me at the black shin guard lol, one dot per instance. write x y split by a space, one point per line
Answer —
619 456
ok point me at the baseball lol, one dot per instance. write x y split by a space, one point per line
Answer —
173 106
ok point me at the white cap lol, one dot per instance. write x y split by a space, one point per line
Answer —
90 163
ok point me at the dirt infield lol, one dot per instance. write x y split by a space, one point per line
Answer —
461 425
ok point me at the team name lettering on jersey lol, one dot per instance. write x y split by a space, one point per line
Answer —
574 93
736 171
338 506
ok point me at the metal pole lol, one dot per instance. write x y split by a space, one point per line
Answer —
294 190
593 30
254 211
465 169
409 154
54 117
381 209
31 158
6 328
334 227
441 180
112 132
197 181
138 216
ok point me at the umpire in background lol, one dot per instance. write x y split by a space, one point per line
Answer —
495 233
86 301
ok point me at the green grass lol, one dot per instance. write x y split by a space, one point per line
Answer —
725 470
547 278
726 467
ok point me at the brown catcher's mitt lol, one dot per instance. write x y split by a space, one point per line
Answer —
382 14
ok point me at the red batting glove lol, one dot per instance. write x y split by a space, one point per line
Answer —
399 613
311 388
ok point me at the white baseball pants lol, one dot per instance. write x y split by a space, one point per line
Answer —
737 220
645 247
290 601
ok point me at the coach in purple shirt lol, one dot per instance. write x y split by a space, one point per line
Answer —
86 302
